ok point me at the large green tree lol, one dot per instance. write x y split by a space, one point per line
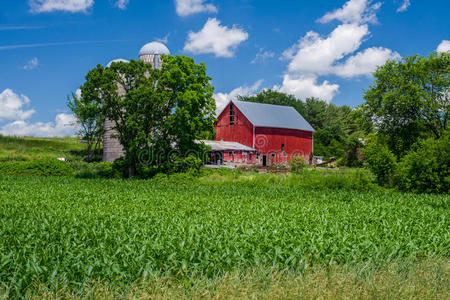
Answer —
157 113
410 99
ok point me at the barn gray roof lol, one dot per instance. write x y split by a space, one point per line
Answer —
269 115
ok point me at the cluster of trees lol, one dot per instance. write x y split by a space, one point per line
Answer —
158 113
400 130
407 108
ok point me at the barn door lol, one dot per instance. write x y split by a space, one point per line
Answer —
264 160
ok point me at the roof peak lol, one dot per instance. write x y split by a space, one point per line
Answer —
271 115
259 103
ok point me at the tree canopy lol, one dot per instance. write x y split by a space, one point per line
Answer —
157 113
410 99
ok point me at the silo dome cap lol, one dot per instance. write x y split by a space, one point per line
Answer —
154 48
116 60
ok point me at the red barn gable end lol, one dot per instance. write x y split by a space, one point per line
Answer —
276 132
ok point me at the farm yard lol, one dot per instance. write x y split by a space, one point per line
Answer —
222 235
210 149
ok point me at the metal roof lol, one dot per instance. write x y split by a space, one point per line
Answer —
225 146
269 115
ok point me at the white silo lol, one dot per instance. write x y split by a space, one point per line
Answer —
112 149
149 53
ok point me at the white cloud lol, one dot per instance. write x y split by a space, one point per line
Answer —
306 86
189 7
12 109
353 11
122 4
404 6
315 55
12 106
444 46
214 38
223 98
31 64
365 62
64 125
262 56
40 6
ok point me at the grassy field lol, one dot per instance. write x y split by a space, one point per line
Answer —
260 236
31 148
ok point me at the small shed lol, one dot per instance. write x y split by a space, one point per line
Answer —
223 152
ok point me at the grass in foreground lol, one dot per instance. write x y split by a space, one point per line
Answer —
61 235
423 279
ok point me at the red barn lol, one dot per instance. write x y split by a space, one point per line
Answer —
275 133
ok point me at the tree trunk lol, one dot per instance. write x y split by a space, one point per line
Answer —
99 141
89 152
132 170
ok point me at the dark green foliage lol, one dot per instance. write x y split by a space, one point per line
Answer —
190 164
121 167
297 164
97 170
426 167
163 111
330 141
381 161
42 167
157 113
353 156
409 100
65 232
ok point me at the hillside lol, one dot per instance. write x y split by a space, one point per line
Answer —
33 148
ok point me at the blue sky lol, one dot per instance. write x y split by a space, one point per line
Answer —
316 48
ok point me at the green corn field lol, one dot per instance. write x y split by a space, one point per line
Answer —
72 232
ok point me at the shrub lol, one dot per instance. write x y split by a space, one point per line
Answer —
352 157
190 164
297 164
426 167
121 167
43 167
96 170
381 161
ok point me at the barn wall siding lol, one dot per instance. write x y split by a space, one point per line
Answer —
241 131
296 142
